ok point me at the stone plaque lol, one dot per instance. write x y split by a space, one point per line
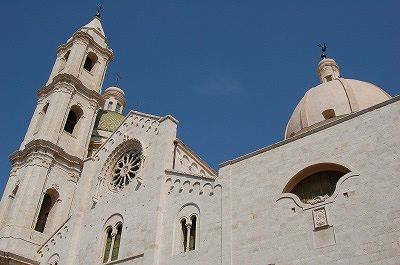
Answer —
320 218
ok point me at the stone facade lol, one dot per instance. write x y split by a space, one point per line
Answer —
135 194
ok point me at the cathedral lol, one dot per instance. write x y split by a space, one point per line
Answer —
90 185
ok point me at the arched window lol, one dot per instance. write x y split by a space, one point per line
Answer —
41 115
188 229
109 107
49 199
117 242
192 238
317 181
15 190
118 107
73 116
318 184
66 56
90 61
183 234
112 241
107 248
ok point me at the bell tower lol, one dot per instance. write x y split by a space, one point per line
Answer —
48 164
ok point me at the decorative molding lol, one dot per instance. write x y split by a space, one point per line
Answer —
77 86
63 88
180 182
85 38
11 258
42 152
149 125
317 199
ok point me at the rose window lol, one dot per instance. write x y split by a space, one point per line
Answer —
126 169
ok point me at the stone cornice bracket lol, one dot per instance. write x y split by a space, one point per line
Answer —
86 38
78 85
48 147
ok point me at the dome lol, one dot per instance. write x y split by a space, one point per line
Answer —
114 89
332 99
108 120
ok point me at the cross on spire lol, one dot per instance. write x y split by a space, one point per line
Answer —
118 77
99 9
323 50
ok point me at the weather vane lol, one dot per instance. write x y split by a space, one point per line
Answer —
323 50
117 77
99 9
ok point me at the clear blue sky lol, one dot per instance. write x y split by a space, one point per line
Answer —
230 71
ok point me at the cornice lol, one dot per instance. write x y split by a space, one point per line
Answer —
80 35
188 175
11 258
78 85
49 148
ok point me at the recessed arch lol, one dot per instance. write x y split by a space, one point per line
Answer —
112 231
46 213
187 228
304 173
316 180
90 61
74 115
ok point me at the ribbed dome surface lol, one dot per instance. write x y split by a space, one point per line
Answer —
330 100
108 120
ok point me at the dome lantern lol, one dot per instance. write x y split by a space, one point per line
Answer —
114 99
328 70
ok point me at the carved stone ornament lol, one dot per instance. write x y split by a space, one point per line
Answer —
125 170
320 218
317 199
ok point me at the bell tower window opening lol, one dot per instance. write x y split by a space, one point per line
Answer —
90 61
49 199
40 118
66 55
73 117
14 191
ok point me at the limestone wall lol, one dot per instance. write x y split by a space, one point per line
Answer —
361 221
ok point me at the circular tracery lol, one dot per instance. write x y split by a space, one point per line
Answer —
125 169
